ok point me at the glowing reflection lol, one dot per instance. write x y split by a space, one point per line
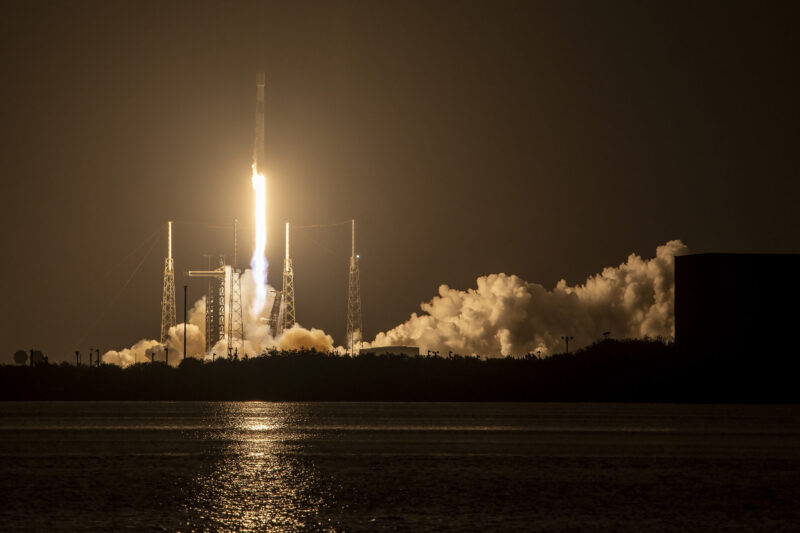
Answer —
261 427
258 479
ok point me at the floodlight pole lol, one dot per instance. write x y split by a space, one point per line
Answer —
566 339
184 320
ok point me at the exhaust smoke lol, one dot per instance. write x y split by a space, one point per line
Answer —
505 315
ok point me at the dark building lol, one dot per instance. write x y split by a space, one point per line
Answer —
738 304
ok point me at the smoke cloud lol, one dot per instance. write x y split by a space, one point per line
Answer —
256 332
503 315
506 315
138 353
298 338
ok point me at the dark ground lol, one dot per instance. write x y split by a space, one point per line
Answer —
618 371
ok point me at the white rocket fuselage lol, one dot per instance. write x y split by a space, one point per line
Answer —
258 146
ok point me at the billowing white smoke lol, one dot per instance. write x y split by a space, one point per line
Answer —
256 333
137 353
300 338
506 315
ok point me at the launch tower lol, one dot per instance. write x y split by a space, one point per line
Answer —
216 312
236 322
211 336
168 292
224 320
282 315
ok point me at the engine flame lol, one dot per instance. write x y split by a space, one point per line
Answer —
259 261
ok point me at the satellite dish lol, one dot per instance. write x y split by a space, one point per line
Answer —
20 357
37 357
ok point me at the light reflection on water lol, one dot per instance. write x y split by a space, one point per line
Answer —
195 466
254 481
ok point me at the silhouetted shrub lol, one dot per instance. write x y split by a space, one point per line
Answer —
610 370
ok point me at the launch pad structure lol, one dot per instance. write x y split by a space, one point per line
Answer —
282 314
168 292
224 312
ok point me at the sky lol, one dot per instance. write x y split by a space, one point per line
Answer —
542 139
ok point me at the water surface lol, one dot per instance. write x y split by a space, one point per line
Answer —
398 466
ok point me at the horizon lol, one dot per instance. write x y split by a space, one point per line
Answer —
522 140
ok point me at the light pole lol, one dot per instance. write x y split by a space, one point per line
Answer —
566 339
184 321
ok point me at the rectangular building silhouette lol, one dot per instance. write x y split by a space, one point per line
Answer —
738 304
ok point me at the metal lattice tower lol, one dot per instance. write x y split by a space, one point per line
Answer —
217 309
210 297
222 285
168 293
236 319
288 318
353 298
236 322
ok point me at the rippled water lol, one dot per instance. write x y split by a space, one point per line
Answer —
398 466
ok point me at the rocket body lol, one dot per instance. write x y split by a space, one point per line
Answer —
258 145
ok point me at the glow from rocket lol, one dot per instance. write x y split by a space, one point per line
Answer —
259 261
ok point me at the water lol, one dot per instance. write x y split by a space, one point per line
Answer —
112 466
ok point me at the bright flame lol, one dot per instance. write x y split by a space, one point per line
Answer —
259 261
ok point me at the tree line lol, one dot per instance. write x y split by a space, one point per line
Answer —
609 371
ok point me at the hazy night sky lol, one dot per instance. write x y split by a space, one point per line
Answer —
547 140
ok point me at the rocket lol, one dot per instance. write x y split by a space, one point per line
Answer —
259 261
258 146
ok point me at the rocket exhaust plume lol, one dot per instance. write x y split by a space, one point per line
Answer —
259 261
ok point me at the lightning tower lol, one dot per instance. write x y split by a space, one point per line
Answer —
282 315
353 297
288 288
168 293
